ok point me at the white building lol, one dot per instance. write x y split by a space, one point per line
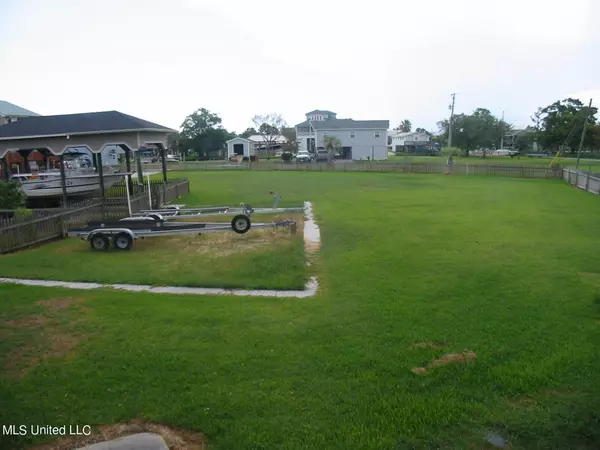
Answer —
240 146
408 142
360 139
252 145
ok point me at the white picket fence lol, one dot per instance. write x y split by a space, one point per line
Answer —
582 180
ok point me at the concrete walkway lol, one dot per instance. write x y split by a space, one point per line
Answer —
312 242
140 441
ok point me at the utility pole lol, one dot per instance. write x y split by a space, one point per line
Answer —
587 116
451 107
502 137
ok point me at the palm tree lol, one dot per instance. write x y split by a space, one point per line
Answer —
331 144
405 126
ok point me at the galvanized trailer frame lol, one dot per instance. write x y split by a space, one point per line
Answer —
173 212
125 231
176 211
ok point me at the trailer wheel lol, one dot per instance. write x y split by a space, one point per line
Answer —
99 241
240 224
122 241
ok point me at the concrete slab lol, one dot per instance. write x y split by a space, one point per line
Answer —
139 441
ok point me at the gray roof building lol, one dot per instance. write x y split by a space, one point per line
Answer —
8 109
82 123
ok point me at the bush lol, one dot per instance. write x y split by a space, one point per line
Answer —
454 151
287 156
11 195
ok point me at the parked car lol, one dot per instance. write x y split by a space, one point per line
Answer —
303 157
321 155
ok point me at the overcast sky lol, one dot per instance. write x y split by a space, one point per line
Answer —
162 59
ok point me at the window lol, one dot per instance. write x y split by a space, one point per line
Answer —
416 138
352 135
377 134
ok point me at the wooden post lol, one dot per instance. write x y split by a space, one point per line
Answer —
128 169
140 171
101 179
164 163
25 156
63 180
5 169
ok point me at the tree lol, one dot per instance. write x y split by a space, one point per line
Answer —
479 130
269 127
559 125
203 133
291 143
11 195
332 144
405 126
421 130
250 131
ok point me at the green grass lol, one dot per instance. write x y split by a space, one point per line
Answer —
496 160
506 268
259 259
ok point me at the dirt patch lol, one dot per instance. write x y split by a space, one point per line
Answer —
175 438
523 402
450 358
433 345
59 303
47 338
28 322
21 359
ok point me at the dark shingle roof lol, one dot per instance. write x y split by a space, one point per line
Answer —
336 124
12 110
320 111
101 122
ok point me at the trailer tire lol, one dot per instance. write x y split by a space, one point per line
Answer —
99 241
241 224
123 241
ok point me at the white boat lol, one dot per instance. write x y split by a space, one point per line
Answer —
81 178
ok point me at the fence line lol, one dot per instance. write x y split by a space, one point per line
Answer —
582 180
20 235
521 171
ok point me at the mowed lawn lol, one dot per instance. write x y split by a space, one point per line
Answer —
501 274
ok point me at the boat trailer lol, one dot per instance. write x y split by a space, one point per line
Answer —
123 232
174 212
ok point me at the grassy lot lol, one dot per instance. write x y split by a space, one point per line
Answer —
496 277
258 259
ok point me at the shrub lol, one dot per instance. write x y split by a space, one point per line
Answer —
287 156
454 151
11 195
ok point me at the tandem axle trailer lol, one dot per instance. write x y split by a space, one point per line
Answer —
124 232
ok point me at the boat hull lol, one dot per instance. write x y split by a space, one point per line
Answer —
76 186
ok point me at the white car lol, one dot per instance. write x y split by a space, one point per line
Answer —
303 157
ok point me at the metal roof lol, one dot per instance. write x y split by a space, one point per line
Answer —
260 138
83 123
320 111
408 133
12 110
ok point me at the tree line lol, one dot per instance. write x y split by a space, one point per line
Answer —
203 135
556 127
